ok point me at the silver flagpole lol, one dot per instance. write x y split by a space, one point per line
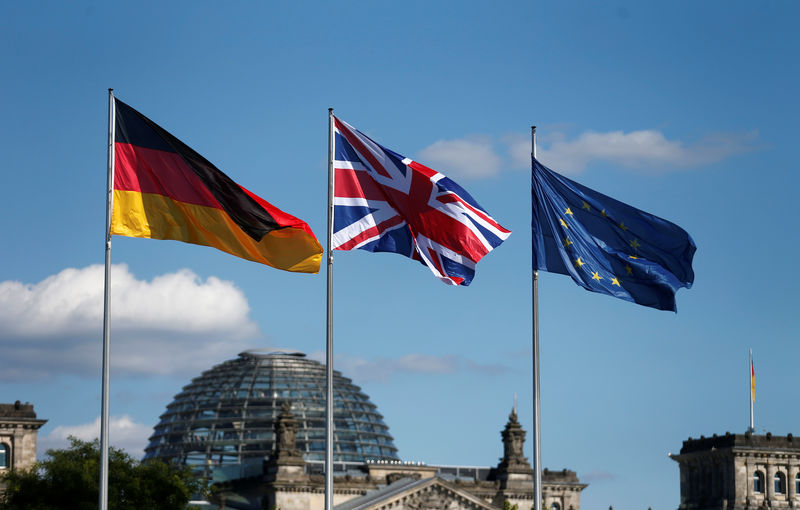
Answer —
103 503
537 438
752 428
329 334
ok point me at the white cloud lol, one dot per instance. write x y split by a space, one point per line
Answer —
472 157
382 369
123 433
639 150
174 323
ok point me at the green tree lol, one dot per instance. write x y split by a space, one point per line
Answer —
69 479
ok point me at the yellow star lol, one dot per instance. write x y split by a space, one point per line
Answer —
634 257
567 242
603 212
635 244
596 276
622 225
586 206
614 281
568 211
563 223
629 269
579 262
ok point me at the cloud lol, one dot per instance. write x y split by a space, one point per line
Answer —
645 150
640 150
382 369
123 433
472 157
174 323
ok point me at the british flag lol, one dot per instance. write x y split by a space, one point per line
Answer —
384 202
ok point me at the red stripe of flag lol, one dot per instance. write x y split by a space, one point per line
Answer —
350 183
160 173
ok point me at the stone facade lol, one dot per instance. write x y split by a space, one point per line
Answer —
739 472
288 484
18 429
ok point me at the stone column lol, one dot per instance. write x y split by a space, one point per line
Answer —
739 479
770 481
684 483
791 472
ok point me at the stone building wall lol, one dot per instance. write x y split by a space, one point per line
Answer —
18 429
288 486
739 472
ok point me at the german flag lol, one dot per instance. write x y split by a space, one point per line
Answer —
165 190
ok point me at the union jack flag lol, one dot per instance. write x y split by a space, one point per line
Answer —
384 202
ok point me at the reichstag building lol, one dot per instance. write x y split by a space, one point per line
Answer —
254 426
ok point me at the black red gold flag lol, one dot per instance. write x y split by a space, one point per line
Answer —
165 190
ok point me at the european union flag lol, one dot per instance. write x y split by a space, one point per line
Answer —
607 246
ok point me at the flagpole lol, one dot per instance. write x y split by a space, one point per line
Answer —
537 444
752 392
329 332
103 498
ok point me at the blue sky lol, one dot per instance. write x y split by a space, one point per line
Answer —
685 109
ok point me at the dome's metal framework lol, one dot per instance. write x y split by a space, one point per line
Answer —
225 417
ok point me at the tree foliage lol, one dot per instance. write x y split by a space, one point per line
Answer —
69 479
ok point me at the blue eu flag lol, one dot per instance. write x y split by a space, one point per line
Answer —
607 246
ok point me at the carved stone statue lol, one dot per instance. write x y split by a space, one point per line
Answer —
286 435
287 428
513 441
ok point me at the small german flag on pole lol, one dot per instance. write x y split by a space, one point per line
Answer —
165 190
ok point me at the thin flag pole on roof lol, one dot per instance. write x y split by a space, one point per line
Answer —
103 497
752 428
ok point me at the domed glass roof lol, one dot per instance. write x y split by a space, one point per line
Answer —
226 415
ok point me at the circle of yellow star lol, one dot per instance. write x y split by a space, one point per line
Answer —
596 276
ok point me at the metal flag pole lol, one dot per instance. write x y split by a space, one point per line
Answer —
329 332
103 502
537 443
752 392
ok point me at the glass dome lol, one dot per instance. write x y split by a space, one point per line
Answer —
225 417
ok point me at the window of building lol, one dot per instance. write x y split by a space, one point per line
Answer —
3 456
758 482
555 506
780 483
797 483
